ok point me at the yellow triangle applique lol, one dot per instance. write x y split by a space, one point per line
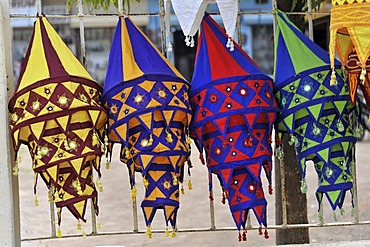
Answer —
147 85
153 103
145 160
147 119
53 172
156 193
37 129
147 212
94 115
168 116
63 122
77 164
71 86
168 211
156 175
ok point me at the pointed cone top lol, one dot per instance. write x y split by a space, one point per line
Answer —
215 61
132 56
291 47
48 58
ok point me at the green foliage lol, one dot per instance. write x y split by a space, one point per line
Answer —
315 4
103 4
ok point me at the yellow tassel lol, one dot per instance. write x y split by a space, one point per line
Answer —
19 159
190 185
150 142
84 235
333 78
50 197
59 233
95 140
175 181
79 226
149 232
146 183
15 170
107 165
99 185
133 193
36 201
167 233
173 234
127 153
368 119
188 140
169 137
362 75
98 225
182 190
106 140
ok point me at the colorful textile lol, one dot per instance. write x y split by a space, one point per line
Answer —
56 112
349 37
313 112
234 110
149 114
190 13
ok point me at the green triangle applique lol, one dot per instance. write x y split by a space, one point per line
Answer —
315 111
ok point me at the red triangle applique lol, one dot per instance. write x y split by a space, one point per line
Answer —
239 198
226 174
221 124
255 170
230 105
259 211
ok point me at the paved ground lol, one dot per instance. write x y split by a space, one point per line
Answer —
116 213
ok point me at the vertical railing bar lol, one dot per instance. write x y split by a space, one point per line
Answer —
163 34
39 6
310 21
52 213
211 204
238 25
135 215
82 33
281 162
9 196
354 172
249 223
80 14
120 7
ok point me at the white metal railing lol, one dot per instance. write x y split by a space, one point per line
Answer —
9 232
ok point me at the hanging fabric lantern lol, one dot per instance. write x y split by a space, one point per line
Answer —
190 13
56 112
149 115
350 40
314 113
234 110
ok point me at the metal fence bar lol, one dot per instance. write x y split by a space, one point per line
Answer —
221 229
9 197
81 15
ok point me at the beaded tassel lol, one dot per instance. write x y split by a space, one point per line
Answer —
59 233
99 185
169 47
149 232
333 78
133 193
304 186
244 235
